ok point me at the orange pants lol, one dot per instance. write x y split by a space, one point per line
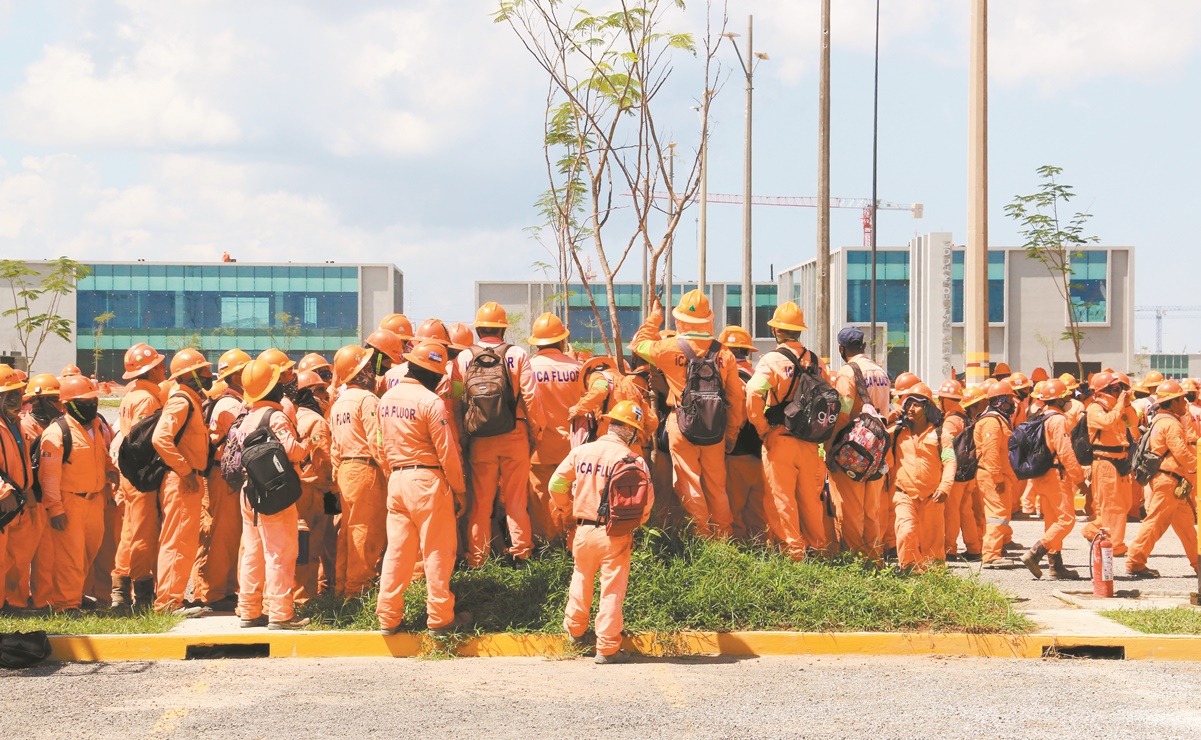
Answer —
4 562
215 574
700 482
748 498
959 515
1164 511
421 522
100 579
666 510
858 513
547 524
1111 502
1058 519
998 507
594 551
1025 500
920 538
75 548
1138 496
267 571
364 533
794 475
137 552
24 534
500 463
180 540
327 552
310 508
42 579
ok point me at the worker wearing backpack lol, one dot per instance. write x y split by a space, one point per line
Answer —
74 488
137 551
215 574
611 497
959 514
698 434
267 569
426 490
16 475
745 483
182 489
1110 417
1143 392
27 531
792 468
1050 488
1173 489
503 421
354 423
924 458
558 385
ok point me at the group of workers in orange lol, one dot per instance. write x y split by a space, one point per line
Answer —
425 446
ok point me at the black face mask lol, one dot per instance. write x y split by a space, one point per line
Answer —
276 394
45 410
292 388
11 403
1003 405
305 399
201 383
84 410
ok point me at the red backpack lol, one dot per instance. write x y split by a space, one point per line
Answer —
625 498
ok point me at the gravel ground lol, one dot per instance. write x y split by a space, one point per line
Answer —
827 697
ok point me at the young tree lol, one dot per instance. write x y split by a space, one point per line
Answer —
1055 240
603 137
98 334
285 330
36 297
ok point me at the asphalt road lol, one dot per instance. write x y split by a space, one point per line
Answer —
827 697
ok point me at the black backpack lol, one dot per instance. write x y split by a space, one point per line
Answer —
488 393
138 461
17 492
701 413
35 456
272 483
1029 455
1144 463
812 403
23 649
967 462
1082 441
748 442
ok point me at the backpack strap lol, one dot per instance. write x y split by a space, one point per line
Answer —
796 371
860 384
68 441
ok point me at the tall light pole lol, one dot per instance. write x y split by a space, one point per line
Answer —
875 148
702 225
748 69
823 189
975 262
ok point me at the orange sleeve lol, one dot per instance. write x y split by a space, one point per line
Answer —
948 461
175 412
649 331
593 399
438 428
293 447
1059 439
735 397
1175 437
989 439
529 395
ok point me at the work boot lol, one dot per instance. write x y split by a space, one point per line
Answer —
393 630
618 657
291 624
143 594
1032 556
1059 572
187 612
462 621
259 621
584 640
88 604
1000 564
121 597
971 557
1142 573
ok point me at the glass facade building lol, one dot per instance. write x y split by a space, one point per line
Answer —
1090 287
996 287
892 298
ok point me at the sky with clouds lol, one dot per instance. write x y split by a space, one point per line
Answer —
409 132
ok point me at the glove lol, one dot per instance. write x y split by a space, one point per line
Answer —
58 523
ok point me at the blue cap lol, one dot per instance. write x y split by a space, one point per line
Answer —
850 335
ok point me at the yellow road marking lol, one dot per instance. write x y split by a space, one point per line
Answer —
671 689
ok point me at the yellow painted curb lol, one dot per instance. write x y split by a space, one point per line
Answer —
106 648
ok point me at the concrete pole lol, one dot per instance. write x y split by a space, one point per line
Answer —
748 294
701 222
975 263
823 190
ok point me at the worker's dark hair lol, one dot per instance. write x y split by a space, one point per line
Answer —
786 335
490 331
427 378
853 348
740 353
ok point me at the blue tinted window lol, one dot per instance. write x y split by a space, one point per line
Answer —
996 286
1090 286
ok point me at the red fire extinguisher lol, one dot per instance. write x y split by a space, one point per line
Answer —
1102 565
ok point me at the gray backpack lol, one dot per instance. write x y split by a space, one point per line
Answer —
701 412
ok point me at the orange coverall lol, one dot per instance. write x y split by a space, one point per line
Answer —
425 484
363 536
607 388
1164 508
181 494
860 506
959 513
78 489
700 472
316 478
138 550
1108 421
792 469
925 469
995 480
215 574
1050 491
558 386
588 467
25 534
14 459
1137 490
267 571
502 463
747 486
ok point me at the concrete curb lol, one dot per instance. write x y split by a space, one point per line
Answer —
105 648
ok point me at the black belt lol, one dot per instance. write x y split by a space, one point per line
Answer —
416 467
589 522
1114 450
1179 478
365 460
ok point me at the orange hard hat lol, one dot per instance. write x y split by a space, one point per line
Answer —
70 370
987 383
693 308
42 384
430 355
583 355
1189 385
258 378
491 316
548 329
999 389
308 379
904 382
971 396
1001 369
789 317
398 324
918 389
1169 390
349 362
186 361
951 389
277 357
312 362
231 361
460 335
9 379
1122 379
1039 375
22 375
1152 380
1054 389
1018 381
217 390
434 329
600 362
625 412
388 343
1037 393
75 387
1070 381
139 359
1100 381
737 337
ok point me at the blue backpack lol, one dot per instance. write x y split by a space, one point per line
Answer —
1029 454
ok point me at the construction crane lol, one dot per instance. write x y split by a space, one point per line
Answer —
809 201
1161 311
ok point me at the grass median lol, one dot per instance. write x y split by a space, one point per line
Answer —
93 623
1178 620
682 583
